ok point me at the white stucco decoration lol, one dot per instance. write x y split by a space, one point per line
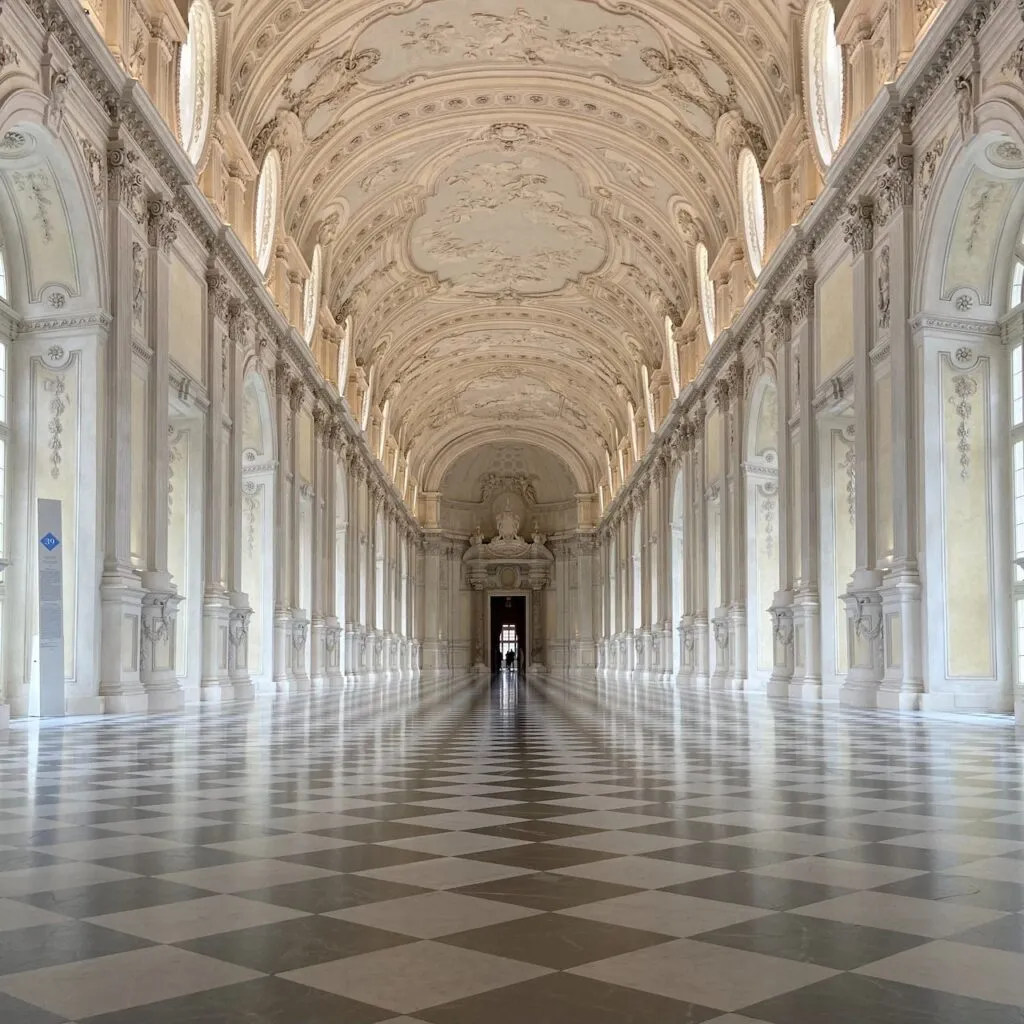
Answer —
195 80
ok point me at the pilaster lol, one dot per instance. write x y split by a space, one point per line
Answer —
806 683
160 602
903 682
121 591
777 337
215 683
862 600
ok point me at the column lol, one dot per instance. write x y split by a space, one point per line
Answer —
737 539
700 625
863 599
241 330
903 681
664 626
778 339
215 684
537 659
332 528
806 682
720 624
644 653
682 631
161 600
282 529
297 674
120 589
353 637
318 550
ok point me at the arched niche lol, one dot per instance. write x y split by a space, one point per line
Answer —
258 465
966 338
762 518
53 329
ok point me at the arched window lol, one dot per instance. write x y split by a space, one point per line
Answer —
195 80
344 348
707 293
752 207
311 299
4 293
824 79
1017 279
268 192
652 426
673 356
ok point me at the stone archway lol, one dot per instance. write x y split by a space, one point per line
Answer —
54 320
967 337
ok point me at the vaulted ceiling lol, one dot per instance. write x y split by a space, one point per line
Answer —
508 191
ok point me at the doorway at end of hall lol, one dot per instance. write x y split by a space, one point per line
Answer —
508 631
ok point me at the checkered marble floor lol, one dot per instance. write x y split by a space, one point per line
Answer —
489 853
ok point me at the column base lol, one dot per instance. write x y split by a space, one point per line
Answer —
806 683
902 686
216 671
899 700
121 642
85 706
736 679
5 717
318 659
805 690
166 700
217 693
126 703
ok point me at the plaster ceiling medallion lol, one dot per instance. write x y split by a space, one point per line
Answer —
500 222
444 35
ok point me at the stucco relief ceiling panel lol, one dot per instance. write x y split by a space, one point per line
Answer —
501 221
44 229
447 34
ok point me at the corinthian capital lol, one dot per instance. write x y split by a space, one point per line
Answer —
859 226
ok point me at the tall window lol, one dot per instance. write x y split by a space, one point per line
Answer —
752 207
268 192
311 300
673 356
707 293
344 348
4 293
824 79
1017 279
195 80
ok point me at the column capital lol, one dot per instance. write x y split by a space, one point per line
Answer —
720 392
859 226
296 393
777 326
801 298
895 185
124 179
162 225
218 293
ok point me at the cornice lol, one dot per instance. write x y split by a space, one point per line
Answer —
130 109
884 125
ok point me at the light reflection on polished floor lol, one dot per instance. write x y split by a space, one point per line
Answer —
489 853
